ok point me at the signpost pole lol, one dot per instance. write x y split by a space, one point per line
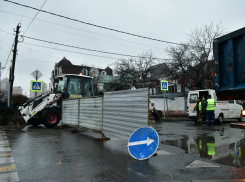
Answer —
164 103
36 80
164 87
36 74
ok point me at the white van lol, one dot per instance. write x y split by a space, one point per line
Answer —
223 110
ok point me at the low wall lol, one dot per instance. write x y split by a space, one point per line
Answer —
176 106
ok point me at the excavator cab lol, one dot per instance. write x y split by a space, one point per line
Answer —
74 86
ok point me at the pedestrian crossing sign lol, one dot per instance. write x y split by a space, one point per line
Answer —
164 85
36 86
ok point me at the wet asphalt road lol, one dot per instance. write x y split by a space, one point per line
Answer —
53 155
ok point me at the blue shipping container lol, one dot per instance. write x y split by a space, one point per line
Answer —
229 57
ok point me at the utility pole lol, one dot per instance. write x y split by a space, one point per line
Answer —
11 73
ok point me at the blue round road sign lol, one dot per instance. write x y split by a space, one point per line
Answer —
143 143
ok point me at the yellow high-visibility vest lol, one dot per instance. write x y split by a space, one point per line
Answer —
200 106
210 105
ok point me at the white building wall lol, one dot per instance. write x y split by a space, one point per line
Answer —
17 90
4 83
176 106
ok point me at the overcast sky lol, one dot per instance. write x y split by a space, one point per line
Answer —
167 20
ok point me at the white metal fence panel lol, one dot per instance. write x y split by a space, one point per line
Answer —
125 111
90 115
70 112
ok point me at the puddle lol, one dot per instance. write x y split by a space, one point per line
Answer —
223 150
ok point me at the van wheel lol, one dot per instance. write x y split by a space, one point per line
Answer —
220 119
240 118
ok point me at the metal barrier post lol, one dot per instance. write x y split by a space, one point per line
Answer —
78 115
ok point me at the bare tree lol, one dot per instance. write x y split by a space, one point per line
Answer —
134 70
3 94
193 60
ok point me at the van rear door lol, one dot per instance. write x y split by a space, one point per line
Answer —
192 98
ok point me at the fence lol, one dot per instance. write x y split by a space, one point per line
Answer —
122 113
86 113
125 111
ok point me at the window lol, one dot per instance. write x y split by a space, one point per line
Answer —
61 85
80 87
84 71
193 98
231 101
103 73
148 75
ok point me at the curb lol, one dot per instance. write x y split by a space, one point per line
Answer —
176 119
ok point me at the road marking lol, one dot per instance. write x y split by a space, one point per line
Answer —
9 177
7 168
4 142
7 149
5 154
162 152
6 160
4 146
200 164
148 142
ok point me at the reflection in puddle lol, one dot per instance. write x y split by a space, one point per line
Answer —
227 151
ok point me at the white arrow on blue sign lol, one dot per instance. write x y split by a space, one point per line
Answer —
143 143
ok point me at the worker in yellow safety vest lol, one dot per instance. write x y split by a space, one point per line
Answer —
202 108
210 107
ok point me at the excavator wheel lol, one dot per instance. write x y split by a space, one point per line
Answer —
34 121
51 117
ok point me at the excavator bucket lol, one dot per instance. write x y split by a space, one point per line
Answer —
11 119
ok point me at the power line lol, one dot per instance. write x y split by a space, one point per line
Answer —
30 49
4 51
82 48
118 54
36 61
24 12
83 31
98 26
34 17
5 42
6 32
8 55
70 51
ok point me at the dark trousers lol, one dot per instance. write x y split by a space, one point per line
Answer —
209 117
199 117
